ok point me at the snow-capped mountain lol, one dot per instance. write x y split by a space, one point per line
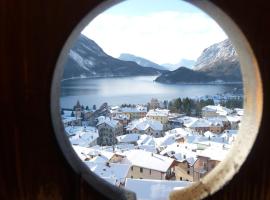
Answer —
140 61
217 63
183 62
220 60
87 59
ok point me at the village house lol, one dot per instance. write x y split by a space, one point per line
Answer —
145 126
199 125
185 157
215 111
184 171
134 112
234 120
147 165
122 118
108 129
216 127
161 115
207 160
113 172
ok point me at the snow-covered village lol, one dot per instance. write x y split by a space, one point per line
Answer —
150 147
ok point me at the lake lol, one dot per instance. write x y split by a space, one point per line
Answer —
133 90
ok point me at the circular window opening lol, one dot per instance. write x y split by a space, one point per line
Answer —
134 126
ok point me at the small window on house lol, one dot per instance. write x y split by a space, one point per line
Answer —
131 168
188 172
181 178
150 171
141 169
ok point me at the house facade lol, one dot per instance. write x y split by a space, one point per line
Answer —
145 126
108 129
147 165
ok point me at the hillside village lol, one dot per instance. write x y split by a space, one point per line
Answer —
135 146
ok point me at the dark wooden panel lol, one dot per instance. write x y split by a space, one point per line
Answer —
32 166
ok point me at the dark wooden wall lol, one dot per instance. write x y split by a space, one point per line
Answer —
32 166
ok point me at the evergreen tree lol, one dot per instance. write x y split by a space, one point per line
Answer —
94 107
178 104
62 111
72 114
171 106
86 108
82 107
187 105
165 104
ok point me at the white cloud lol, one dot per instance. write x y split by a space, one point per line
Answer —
163 37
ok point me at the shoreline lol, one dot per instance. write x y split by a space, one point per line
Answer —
178 83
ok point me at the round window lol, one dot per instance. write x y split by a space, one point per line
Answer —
153 100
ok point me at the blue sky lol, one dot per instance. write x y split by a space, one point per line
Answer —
143 7
163 31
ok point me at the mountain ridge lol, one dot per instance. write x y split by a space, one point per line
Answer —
219 62
140 61
87 59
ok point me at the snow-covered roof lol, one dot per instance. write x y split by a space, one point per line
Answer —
234 118
82 136
218 109
128 138
69 119
146 140
181 152
171 136
148 160
239 111
121 116
106 154
188 120
111 172
158 112
214 153
199 123
149 148
145 123
146 189
111 122
217 121
82 152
